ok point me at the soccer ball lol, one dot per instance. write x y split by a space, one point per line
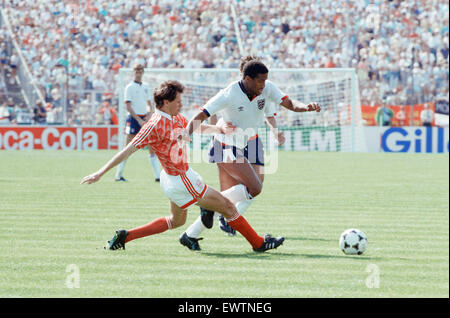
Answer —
353 242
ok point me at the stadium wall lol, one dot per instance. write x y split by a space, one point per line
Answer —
377 139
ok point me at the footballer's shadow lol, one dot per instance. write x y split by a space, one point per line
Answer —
358 257
277 255
308 239
237 255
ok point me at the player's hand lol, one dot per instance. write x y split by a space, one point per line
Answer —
313 107
228 128
91 178
280 138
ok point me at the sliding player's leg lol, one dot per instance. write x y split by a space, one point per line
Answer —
215 201
232 190
226 182
159 225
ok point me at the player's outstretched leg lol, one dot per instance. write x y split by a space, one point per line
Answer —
236 194
213 200
269 243
159 225
117 241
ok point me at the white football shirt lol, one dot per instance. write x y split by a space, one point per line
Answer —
233 104
138 95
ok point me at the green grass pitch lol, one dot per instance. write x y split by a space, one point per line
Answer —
52 230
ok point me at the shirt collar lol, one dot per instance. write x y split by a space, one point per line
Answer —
242 86
163 114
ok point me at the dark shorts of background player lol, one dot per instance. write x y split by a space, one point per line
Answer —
132 127
254 151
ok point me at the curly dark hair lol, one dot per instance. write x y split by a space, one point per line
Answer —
246 59
254 68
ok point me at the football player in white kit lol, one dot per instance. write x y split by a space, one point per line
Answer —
240 158
137 100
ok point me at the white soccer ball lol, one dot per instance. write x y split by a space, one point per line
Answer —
353 242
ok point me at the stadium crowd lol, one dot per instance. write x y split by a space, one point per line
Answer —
399 48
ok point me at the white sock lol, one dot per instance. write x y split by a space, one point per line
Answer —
155 165
120 169
196 228
237 194
243 205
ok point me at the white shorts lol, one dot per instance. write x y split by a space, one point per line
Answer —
184 189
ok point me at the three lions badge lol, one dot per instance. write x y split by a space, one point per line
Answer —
261 103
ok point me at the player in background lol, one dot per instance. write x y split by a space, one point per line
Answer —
243 104
165 133
137 101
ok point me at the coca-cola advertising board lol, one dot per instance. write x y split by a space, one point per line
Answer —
58 138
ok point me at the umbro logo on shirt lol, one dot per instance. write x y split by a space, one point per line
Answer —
241 108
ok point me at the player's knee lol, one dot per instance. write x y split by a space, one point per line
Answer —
229 209
177 222
255 189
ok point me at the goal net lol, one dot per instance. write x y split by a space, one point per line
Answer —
338 127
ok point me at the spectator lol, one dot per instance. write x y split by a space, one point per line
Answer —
426 116
382 39
11 109
40 114
54 114
4 114
23 115
384 115
400 116
109 114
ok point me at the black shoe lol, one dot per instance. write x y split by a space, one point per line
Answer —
118 240
207 217
269 243
156 179
121 179
190 242
224 226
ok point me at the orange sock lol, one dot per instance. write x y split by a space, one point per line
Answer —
156 226
240 224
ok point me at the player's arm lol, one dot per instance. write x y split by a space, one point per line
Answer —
214 105
133 114
226 128
196 122
196 125
118 158
298 107
272 123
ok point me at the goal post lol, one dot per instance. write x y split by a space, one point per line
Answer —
338 127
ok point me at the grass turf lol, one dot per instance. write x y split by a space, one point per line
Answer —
53 228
